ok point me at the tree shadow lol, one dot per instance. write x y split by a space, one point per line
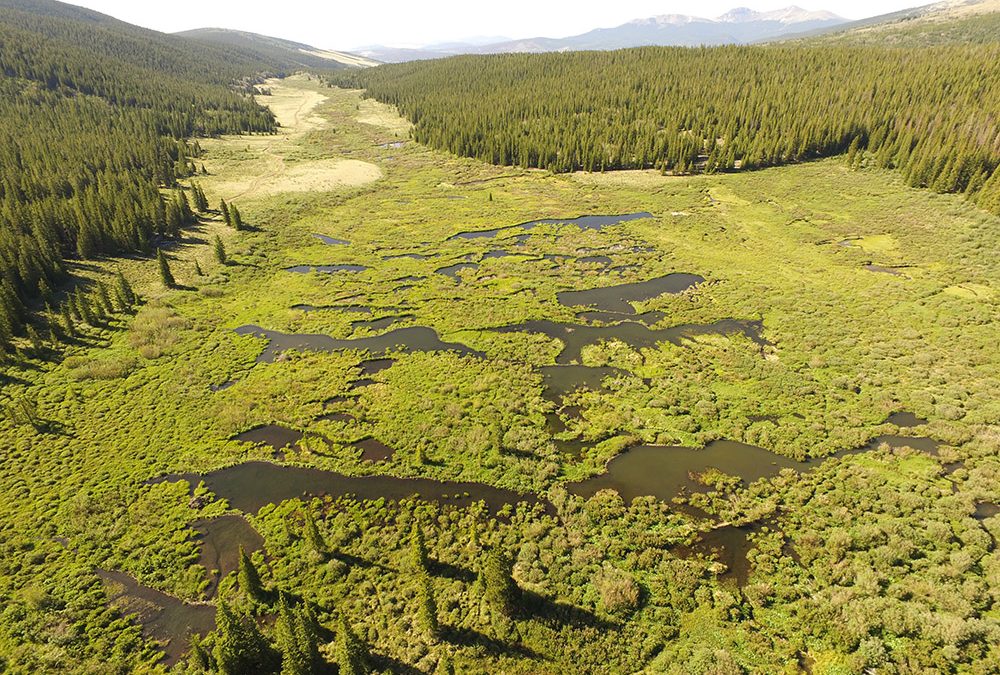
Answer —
473 638
387 664
562 613
449 571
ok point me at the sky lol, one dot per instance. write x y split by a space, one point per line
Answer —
346 24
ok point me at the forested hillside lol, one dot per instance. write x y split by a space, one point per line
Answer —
93 117
932 113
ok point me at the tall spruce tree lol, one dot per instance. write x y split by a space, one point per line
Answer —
166 276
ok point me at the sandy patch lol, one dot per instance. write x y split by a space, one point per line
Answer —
293 106
247 167
319 175
384 116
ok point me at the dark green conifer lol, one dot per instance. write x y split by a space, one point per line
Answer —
219 250
165 274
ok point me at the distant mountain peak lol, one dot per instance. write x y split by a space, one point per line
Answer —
665 20
790 14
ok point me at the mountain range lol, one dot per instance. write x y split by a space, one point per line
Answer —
737 26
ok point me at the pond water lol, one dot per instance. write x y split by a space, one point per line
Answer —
221 539
666 472
373 450
252 485
453 270
618 298
905 420
372 366
595 260
728 545
162 617
575 337
562 380
325 269
331 241
410 339
583 222
274 435
986 510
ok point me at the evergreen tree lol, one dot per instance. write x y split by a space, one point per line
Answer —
165 275
240 648
83 307
105 298
126 296
249 580
418 549
69 328
224 210
313 537
236 220
197 269
351 653
297 638
37 346
444 666
220 250
499 589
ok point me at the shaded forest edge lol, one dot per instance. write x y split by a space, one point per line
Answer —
930 113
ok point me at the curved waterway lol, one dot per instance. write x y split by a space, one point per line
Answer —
410 339
162 617
575 337
619 298
221 539
583 222
665 472
252 485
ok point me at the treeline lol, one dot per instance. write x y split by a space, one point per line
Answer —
933 113
93 122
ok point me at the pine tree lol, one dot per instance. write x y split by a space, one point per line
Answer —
83 307
313 537
297 638
220 250
67 320
236 218
197 269
240 648
352 656
224 210
165 275
105 298
126 295
418 549
499 588
249 580
444 666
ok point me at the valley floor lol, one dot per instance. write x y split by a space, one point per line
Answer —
830 299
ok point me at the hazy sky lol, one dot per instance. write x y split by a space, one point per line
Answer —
343 24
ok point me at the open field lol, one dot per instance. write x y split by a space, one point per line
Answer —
863 298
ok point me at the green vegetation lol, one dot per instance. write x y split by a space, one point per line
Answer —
931 112
872 561
880 561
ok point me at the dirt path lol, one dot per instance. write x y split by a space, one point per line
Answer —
248 167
